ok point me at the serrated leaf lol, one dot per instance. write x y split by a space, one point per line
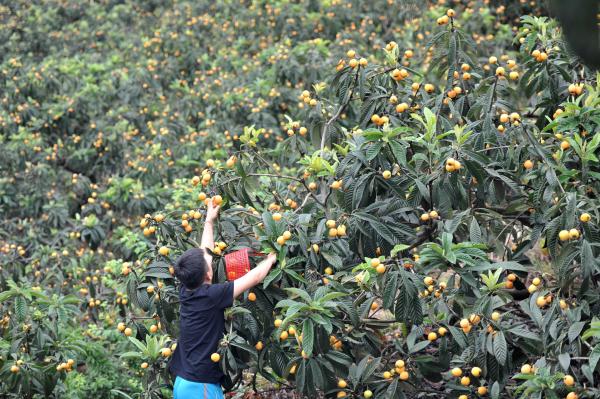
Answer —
500 348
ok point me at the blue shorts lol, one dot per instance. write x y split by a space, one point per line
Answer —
185 389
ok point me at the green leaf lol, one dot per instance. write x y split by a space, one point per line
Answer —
299 293
588 262
20 308
273 275
475 231
495 391
564 359
500 348
419 346
308 336
575 330
398 248
594 357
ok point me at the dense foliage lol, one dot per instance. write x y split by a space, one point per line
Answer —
427 174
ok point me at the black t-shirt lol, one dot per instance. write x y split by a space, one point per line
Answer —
202 323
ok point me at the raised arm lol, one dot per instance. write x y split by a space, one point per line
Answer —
208 239
254 276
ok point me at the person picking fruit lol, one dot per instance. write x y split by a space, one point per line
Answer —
202 321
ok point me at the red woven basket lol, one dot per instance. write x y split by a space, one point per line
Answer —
237 263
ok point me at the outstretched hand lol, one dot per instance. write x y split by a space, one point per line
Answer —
212 212
271 258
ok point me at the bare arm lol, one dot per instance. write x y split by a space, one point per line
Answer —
254 276
208 240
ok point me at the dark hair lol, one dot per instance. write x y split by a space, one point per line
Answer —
190 268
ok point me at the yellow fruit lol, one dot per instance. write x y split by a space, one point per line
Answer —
144 365
424 217
332 232
399 363
563 304
341 230
215 357
574 234
353 63
342 384
128 332
349 54
569 380
363 62
456 372
166 352
526 369
540 301
153 328
217 200
585 217
565 145
375 262
464 323
280 240
278 322
463 397
259 346
277 217
428 280
482 390
367 394
434 214
284 335
572 395
293 369
150 289
451 13
328 270
387 375
465 381
432 336
201 197
564 235
287 235
402 107
341 394
496 316
386 174
536 281
532 288
404 376
252 297
330 223
528 164
429 88
442 331
380 269
121 327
